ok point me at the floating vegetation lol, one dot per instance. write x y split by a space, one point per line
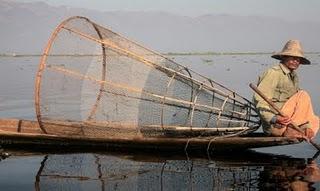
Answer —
254 61
207 61
20 55
166 54
214 53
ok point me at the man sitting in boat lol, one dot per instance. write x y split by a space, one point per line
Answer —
280 84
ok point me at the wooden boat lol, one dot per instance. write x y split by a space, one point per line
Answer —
26 134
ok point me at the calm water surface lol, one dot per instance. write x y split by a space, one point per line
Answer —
273 168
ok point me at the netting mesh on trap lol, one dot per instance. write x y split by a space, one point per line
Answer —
93 82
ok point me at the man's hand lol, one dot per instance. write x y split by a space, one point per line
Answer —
283 120
309 133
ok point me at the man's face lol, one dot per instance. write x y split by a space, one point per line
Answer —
292 62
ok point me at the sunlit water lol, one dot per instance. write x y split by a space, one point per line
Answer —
270 169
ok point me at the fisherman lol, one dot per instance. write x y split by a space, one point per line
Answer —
280 84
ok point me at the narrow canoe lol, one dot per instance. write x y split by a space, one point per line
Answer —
26 133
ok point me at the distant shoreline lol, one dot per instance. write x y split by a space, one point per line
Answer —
165 54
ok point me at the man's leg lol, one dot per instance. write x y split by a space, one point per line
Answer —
299 108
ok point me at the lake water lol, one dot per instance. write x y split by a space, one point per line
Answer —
261 169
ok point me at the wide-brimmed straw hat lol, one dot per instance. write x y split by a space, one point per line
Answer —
292 48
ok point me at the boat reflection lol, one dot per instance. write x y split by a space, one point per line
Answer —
100 171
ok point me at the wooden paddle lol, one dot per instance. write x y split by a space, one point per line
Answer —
292 125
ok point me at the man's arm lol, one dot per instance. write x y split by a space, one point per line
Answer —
267 85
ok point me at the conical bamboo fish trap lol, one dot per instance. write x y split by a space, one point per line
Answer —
94 82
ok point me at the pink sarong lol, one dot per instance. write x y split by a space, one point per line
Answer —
299 108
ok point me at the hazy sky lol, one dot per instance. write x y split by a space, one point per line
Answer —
285 9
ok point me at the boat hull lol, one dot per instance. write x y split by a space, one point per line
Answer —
26 134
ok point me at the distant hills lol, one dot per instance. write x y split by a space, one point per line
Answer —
26 27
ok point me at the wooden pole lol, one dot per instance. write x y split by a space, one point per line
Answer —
291 125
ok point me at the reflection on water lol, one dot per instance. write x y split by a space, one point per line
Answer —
114 171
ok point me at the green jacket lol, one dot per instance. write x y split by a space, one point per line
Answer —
277 84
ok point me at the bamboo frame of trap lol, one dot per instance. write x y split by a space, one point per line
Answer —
248 118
